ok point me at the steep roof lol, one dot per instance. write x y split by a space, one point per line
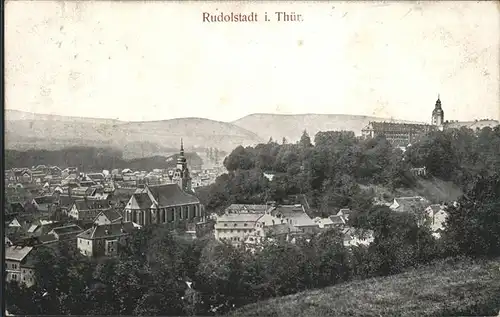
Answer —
16 253
171 195
87 204
296 213
66 201
337 219
96 176
67 229
44 200
103 231
140 201
411 204
111 214
17 207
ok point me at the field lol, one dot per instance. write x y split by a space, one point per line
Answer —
446 288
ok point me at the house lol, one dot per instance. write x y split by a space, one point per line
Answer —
14 223
235 227
324 223
41 227
83 191
414 205
357 237
296 216
158 204
104 240
436 218
16 266
22 175
270 228
66 233
338 221
17 208
108 217
44 203
69 171
345 213
97 177
269 176
87 209
55 171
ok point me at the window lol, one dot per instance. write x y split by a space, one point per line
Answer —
14 276
88 242
14 265
245 224
225 225
235 224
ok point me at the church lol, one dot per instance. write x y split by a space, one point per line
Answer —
404 134
171 204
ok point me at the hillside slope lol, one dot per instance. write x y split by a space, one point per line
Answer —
26 131
463 288
291 127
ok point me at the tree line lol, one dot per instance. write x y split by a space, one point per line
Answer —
90 159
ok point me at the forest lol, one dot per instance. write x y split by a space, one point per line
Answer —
91 159
152 274
341 171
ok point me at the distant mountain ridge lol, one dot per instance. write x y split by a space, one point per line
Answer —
291 126
33 131
24 130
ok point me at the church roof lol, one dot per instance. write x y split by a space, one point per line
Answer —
142 201
171 195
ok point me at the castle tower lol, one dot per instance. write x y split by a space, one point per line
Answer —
181 174
437 114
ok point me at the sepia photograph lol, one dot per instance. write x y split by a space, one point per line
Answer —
251 158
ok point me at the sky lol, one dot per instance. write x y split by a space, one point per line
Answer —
141 61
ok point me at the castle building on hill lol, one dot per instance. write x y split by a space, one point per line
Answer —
438 115
404 134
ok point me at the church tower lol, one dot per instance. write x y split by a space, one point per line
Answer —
181 174
437 114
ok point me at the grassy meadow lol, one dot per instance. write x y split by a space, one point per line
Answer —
447 288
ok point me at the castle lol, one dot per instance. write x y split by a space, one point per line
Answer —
404 134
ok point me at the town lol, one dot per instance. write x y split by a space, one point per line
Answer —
101 214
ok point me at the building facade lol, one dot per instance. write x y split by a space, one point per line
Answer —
17 266
163 204
104 240
404 134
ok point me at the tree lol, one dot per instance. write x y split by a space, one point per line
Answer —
473 227
305 140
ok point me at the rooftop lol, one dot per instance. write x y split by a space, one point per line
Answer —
103 231
16 253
